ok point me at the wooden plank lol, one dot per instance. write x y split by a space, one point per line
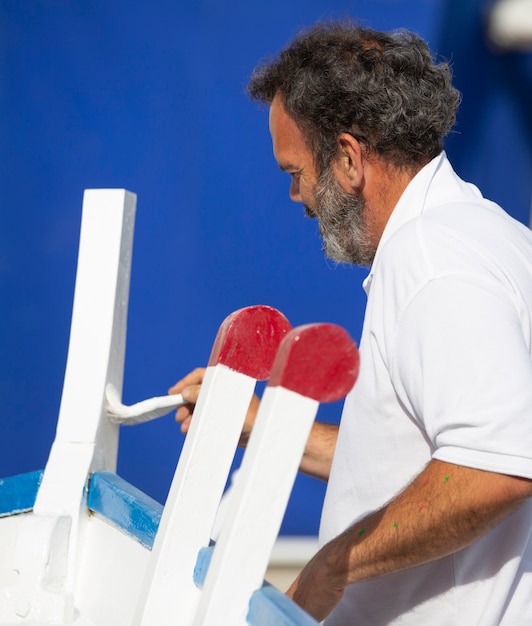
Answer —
267 606
124 506
243 351
317 362
85 439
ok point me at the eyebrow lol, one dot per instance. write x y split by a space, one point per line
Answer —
286 167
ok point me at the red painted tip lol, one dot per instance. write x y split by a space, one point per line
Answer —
248 340
319 361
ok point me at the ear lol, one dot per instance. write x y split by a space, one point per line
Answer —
349 164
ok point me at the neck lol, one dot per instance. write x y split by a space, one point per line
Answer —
383 186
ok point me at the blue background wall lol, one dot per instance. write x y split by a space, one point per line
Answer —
150 96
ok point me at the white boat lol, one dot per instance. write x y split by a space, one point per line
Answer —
79 545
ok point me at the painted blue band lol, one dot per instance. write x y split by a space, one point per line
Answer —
125 506
18 493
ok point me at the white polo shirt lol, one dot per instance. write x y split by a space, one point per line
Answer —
446 373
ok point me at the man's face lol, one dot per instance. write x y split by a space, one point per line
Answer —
292 154
339 212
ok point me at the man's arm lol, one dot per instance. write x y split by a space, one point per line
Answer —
319 450
446 508
321 443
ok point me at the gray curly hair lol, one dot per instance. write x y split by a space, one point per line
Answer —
385 89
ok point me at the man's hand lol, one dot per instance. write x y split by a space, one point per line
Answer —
189 387
320 446
312 592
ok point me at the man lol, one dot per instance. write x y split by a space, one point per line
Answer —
427 517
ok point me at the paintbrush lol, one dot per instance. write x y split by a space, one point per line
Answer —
140 411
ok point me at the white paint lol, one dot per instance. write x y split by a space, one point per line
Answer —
38 563
85 438
256 507
139 412
98 331
111 569
58 565
169 595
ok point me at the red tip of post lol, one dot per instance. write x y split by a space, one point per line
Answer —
248 340
319 361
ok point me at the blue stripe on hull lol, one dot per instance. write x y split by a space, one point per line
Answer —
125 506
138 515
18 493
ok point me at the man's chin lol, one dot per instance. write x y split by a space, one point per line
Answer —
336 253
340 254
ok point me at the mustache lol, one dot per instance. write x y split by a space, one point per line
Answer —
309 212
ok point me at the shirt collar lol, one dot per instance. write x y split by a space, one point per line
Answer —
410 205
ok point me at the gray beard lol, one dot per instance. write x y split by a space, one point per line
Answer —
340 214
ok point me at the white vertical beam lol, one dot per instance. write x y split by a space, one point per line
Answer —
317 362
85 439
194 497
98 333
256 506
243 352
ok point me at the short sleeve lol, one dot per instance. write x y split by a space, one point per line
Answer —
463 369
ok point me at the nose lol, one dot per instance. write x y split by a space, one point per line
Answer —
295 192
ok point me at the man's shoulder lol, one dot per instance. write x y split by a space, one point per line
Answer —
476 242
455 229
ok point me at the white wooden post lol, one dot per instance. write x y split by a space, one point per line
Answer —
316 363
85 439
243 352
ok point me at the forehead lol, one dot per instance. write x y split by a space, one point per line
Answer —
289 146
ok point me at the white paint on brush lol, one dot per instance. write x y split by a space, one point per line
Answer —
139 412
